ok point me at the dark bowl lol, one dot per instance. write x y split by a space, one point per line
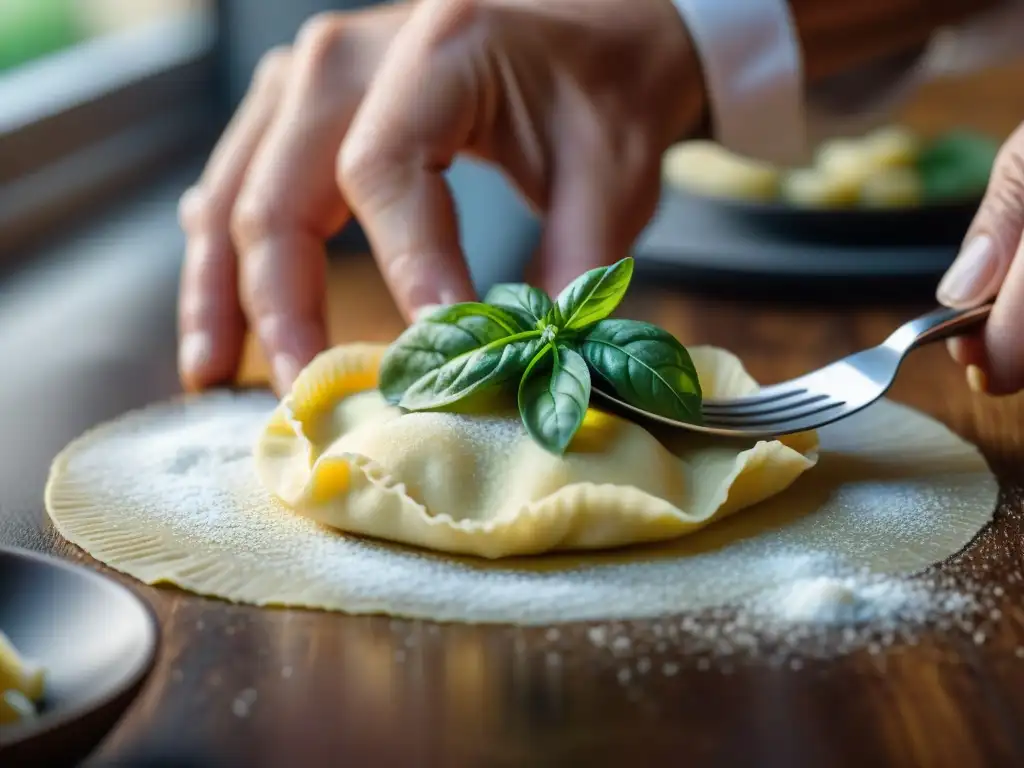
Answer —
97 642
930 224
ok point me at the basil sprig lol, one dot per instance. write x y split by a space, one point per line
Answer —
550 349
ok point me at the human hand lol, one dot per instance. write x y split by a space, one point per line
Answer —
991 264
576 100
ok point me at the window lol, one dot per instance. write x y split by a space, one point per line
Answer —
95 95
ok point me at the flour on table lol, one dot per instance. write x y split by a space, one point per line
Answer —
168 495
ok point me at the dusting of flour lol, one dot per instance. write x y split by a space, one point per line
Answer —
169 494
851 600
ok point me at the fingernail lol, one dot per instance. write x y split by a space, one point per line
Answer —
977 380
969 278
285 369
194 352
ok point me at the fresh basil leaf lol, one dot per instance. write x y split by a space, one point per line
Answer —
592 296
490 365
645 366
455 312
956 166
553 398
531 305
441 336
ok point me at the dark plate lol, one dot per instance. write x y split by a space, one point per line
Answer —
95 638
935 224
702 248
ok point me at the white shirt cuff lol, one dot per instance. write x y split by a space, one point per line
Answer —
753 74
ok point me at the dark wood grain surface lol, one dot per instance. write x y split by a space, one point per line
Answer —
240 685
237 685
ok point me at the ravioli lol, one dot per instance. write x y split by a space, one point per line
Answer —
475 483
21 684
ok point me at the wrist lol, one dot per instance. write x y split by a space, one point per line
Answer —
753 75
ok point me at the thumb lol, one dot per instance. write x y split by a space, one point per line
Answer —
991 264
994 236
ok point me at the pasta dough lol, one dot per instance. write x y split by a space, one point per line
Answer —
168 494
477 484
21 684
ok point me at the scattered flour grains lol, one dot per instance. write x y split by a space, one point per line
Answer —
168 495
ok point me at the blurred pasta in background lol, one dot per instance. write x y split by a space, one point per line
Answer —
889 167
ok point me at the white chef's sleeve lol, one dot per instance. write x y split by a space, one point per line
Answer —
759 104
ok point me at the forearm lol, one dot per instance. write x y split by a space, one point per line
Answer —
838 36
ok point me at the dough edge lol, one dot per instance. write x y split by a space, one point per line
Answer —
162 560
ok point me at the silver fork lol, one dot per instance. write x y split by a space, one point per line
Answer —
828 394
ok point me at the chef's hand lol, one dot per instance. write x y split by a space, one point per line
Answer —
574 99
991 264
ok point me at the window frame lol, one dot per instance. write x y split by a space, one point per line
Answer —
69 144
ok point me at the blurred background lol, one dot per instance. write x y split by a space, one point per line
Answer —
102 101
109 108
106 103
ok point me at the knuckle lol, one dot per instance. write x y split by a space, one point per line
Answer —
1003 206
1002 212
450 20
253 220
193 305
457 16
272 67
357 168
195 209
1010 174
319 37
1008 171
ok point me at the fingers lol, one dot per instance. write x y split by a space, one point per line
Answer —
289 205
211 323
988 265
417 114
994 234
605 190
1003 362
969 351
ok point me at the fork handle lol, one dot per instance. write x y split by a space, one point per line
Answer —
936 325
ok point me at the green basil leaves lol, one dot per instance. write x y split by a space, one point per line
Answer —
646 367
531 305
442 336
592 296
462 376
553 396
549 351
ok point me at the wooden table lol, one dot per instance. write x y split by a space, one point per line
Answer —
240 685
